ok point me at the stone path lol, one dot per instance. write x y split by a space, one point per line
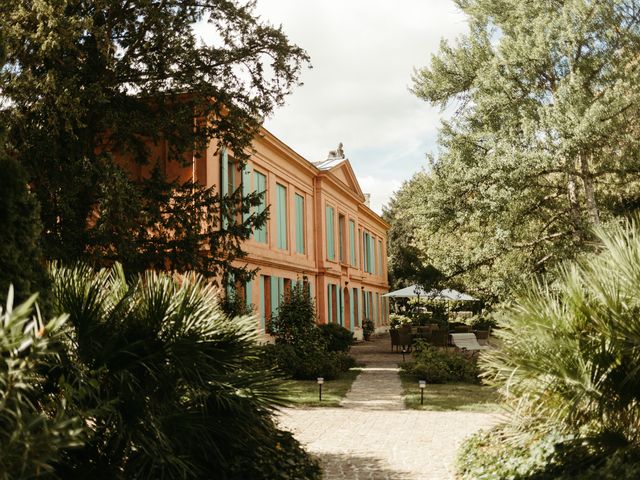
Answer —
373 437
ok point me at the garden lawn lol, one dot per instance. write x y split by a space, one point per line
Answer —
305 392
467 397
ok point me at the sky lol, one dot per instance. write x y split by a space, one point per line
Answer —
363 53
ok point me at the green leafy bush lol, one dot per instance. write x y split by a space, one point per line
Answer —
21 259
307 364
35 428
551 455
368 327
570 351
301 349
569 362
396 321
436 365
336 337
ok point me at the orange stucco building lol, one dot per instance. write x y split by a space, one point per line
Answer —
320 230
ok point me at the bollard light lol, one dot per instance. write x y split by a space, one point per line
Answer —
320 382
422 384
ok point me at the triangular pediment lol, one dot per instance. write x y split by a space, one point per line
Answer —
344 173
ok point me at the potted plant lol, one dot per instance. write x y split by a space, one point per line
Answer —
367 328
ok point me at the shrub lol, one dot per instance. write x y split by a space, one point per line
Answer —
34 428
483 321
396 321
336 337
166 385
368 327
307 364
551 455
21 259
302 349
570 351
296 319
436 365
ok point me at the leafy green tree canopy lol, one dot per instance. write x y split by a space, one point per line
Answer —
544 143
84 80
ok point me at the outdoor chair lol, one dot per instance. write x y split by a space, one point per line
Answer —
466 341
439 338
405 338
482 336
395 339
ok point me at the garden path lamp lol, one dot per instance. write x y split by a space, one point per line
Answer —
320 382
422 384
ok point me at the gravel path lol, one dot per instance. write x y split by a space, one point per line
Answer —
373 436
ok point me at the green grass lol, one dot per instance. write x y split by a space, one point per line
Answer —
466 397
305 392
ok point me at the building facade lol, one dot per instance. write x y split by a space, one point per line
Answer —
320 231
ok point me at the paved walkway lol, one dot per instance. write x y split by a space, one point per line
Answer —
373 436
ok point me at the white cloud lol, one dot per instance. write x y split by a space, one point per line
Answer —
363 54
379 189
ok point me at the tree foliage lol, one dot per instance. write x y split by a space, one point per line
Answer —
544 142
167 386
35 428
84 81
569 355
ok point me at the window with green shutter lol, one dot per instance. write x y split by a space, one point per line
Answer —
379 257
260 185
281 216
299 223
352 243
331 250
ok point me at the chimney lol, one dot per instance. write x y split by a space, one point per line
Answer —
367 199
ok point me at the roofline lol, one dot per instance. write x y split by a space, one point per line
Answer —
278 144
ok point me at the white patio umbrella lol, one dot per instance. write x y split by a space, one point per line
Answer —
418 291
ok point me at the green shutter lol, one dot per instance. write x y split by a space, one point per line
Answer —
260 185
379 257
329 304
281 217
352 243
340 306
248 293
372 255
274 297
331 252
376 309
262 305
224 175
341 238
246 188
299 223
352 311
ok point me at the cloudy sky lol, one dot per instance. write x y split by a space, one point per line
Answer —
363 53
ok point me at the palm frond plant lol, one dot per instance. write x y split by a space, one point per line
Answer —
570 350
168 386
34 428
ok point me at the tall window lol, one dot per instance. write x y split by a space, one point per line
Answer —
299 199
331 250
379 257
281 216
260 183
352 243
231 178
